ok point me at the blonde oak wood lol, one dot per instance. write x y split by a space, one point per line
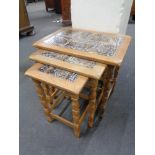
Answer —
63 120
57 101
117 59
92 102
57 94
110 81
76 115
93 106
74 87
108 90
95 72
82 95
110 60
113 81
84 114
43 99
44 92
51 93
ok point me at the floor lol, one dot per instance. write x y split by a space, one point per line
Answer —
115 133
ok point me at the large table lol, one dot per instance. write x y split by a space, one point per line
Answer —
105 48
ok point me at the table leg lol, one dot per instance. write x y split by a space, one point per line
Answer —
108 80
76 115
114 79
48 100
43 100
92 102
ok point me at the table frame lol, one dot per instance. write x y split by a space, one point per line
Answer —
113 60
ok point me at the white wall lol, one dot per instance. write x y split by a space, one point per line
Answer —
101 15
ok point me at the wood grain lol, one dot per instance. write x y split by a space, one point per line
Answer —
72 87
113 60
95 72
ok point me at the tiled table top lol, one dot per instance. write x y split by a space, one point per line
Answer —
69 81
80 66
100 47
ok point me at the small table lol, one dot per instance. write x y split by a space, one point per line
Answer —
47 80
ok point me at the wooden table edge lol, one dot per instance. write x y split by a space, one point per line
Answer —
76 92
113 60
90 75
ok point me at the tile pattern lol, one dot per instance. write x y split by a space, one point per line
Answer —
69 59
91 42
58 73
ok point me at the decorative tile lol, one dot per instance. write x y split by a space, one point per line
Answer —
69 59
58 73
91 42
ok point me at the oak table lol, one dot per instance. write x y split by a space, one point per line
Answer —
103 48
48 81
83 67
93 70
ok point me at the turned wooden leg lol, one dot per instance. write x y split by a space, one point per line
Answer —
105 97
107 79
48 100
114 79
92 102
76 115
42 97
